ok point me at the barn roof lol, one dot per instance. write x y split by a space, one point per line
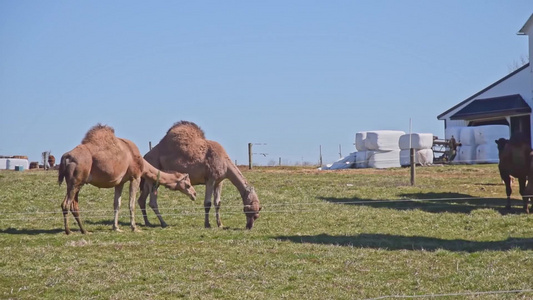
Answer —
493 107
482 91
528 24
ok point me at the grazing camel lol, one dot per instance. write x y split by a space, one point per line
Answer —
515 158
185 149
106 161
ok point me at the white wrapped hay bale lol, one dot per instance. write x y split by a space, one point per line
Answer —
361 159
487 153
11 163
489 133
416 141
3 163
360 141
343 163
454 131
423 157
466 136
383 140
466 154
384 159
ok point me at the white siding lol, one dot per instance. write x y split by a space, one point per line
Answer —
517 84
456 123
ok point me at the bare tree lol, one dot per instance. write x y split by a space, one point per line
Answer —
517 64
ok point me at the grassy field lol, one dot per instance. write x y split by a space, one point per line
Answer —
322 235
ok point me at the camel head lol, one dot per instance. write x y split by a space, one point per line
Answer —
501 142
251 207
183 184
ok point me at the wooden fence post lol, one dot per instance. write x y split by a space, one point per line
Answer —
413 164
250 156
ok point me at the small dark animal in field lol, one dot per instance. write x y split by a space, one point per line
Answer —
106 161
51 161
515 160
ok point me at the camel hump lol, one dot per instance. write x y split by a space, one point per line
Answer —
187 128
99 133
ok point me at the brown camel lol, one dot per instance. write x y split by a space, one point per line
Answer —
106 161
185 149
515 158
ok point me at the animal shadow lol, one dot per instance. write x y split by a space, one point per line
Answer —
108 222
415 243
30 231
434 203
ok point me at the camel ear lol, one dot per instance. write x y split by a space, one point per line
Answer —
250 189
184 177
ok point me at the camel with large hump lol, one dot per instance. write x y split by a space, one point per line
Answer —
106 161
185 149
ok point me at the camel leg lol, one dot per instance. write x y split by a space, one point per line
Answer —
116 205
508 190
209 187
525 199
155 208
65 207
217 200
134 187
142 202
67 203
76 212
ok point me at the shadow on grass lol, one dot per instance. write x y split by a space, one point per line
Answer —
107 222
30 231
435 203
398 242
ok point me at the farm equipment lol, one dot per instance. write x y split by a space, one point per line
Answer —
444 151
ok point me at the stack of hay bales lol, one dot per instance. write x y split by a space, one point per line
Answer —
467 152
378 149
422 143
361 160
13 163
485 137
477 143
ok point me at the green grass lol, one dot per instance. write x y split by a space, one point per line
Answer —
321 235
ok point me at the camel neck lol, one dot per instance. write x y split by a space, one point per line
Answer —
235 176
154 174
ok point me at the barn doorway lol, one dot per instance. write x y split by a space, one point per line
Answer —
521 124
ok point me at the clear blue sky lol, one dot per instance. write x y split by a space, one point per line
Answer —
292 74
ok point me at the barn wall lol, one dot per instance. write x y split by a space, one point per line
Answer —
520 83
456 123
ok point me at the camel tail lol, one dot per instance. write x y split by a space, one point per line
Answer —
62 169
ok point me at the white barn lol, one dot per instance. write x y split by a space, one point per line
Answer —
508 101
